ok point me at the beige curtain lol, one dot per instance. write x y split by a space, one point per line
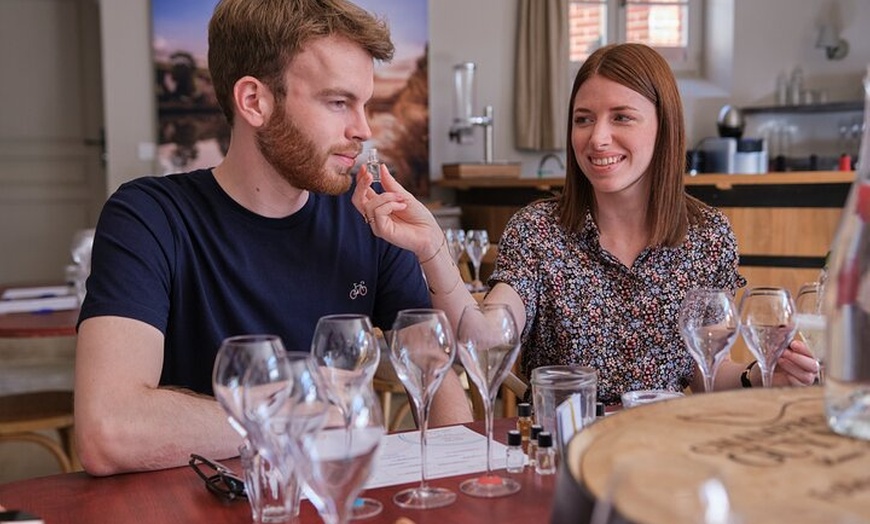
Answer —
542 87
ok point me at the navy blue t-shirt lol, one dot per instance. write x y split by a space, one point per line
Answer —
178 253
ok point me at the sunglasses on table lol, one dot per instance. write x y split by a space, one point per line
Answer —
219 479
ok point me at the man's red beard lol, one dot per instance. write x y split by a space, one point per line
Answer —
296 158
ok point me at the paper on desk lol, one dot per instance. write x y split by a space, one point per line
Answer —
454 450
47 303
17 293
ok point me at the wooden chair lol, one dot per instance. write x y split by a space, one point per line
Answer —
512 388
23 416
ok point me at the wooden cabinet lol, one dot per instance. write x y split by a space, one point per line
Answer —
784 222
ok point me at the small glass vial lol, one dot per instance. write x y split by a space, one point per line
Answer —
373 165
533 443
599 410
514 456
545 457
524 420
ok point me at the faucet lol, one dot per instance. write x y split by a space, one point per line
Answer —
460 132
549 156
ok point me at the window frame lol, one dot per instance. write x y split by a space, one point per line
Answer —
616 24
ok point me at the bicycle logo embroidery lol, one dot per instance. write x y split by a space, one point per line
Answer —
359 290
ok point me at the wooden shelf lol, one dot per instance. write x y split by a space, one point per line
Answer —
829 107
721 181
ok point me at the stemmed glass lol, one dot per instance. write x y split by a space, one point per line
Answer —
811 321
282 397
488 344
337 460
346 348
235 356
709 323
768 326
422 350
456 243
476 245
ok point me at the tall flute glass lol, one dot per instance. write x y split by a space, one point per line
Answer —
488 344
768 326
346 348
709 323
811 323
476 245
422 350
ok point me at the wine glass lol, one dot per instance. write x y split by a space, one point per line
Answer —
476 245
235 356
811 322
488 344
422 350
456 243
346 348
273 389
337 460
768 325
709 323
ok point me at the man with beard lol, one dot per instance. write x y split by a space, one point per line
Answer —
266 242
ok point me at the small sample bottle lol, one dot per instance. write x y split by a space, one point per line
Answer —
545 457
599 410
524 420
373 165
533 443
514 456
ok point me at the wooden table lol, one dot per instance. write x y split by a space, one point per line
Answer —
178 495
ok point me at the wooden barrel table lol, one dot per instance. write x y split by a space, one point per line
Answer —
770 448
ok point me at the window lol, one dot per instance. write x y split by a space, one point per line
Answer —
673 27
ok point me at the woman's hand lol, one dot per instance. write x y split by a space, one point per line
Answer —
796 366
396 216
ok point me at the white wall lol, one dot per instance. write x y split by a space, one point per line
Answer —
128 89
771 36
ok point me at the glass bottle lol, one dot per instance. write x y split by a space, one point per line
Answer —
533 443
545 457
524 420
796 86
847 304
782 89
373 165
515 459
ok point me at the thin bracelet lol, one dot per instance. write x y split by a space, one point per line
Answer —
744 376
452 289
443 243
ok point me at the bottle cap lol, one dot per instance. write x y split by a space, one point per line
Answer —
536 430
545 439
524 409
599 409
514 438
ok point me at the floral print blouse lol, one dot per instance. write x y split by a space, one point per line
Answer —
584 306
